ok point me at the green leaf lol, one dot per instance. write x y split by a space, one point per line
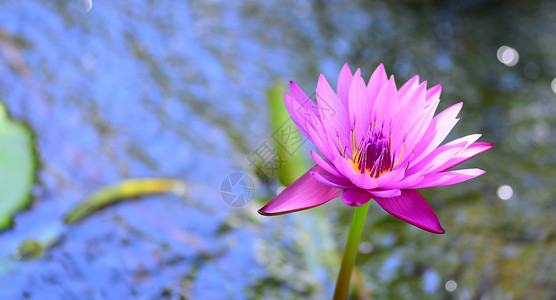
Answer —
125 189
17 167
287 138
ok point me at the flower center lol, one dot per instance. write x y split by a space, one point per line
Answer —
373 155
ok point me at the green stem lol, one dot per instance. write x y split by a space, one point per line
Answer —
348 260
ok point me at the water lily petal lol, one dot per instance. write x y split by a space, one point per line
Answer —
364 181
316 138
407 90
325 165
386 193
294 109
431 140
376 82
302 99
356 197
359 106
406 183
448 178
469 152
304 193
332 112
411 118
412 208
344 167
390 177
344 82
409 110
439 128
434 93
441 155
332 181
418 129
385 105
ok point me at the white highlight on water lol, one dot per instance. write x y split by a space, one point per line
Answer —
451 285
87 4
505 192
508 56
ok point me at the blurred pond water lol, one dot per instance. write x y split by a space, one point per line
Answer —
178 90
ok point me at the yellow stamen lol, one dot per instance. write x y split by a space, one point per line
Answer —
401 154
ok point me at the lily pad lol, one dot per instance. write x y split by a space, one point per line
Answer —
17 167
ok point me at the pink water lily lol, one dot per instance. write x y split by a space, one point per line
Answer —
377 142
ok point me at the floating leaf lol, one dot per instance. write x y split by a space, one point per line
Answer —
125 189
28 249
17 167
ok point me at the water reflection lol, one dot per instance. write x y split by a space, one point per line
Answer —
177 89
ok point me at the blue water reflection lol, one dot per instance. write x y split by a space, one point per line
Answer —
178 89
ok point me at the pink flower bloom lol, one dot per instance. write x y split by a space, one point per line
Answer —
376 142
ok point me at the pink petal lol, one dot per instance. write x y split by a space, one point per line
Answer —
344 81
434 93
303 107
359 105
332 112
432 140
390 177
385 103
466 141
294 109
413 95
441 155
302 98
325 165
332 181
409 87
316 138
405 183
469 152
304 193
356 197
344 167
448 178
412 103
412 208
376 82
439 128
385 193
411 117
419 128
364 181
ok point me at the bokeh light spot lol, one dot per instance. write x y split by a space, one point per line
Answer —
365 247
451 285
508 56
505 192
